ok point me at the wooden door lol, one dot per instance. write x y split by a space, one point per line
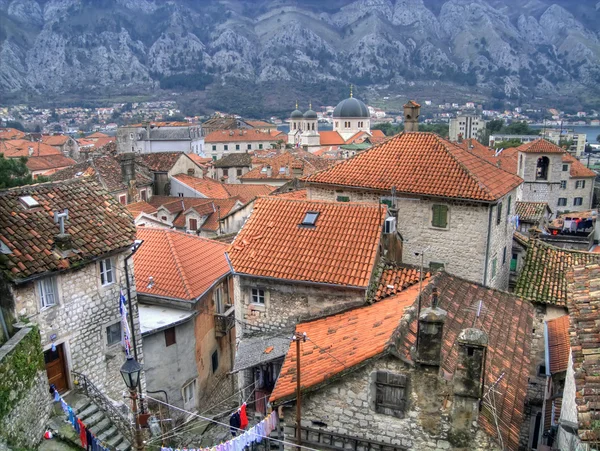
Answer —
56 368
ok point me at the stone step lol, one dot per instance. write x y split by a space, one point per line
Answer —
101 426
114 441
81 405
94 419
88 412
108 433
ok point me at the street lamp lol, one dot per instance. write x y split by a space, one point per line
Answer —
130 371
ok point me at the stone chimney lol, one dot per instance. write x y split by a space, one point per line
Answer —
30 151
269 171
297 171
127 161
412 110
468 380
431 332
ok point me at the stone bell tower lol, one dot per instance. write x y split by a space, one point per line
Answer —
412 110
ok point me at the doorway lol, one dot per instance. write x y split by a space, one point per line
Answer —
56 368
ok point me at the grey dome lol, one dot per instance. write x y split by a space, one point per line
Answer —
296 114
310 114
351 108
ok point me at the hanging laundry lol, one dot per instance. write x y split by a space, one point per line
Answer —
235 423
243 417
82 434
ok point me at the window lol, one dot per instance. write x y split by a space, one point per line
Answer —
180 194
215 361
260 146
237 147
499 215
578 201
508 206
170 338
214 147
436 266
513 262
143 195
310 219
565 167
193 224
390 393
343 198
113 334
494 267
258 296
107 272
580 184
47 292
123 199
249 146
541 172
440 216
563 184
504 256
225 172
239 172
189 391
562 201
225 147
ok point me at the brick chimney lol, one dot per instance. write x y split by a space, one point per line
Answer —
431 332
412 110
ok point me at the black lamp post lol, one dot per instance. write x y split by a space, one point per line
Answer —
131 371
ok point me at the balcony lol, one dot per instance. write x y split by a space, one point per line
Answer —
224 322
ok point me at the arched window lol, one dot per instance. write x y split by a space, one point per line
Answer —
313 126
541 172
408 117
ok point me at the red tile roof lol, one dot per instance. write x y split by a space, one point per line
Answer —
97 223
181 265
421 163
242 135
559 345
159 161
201 161
20 148
340 249
11 133
531 211
331 138
138 207
396 279
222 207
540 146
577 170
345 347
217 190
97 135
49 162
584 331
506 159
298 194
505 318
55 140
283 166
247 192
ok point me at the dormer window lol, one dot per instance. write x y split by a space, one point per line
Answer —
310 219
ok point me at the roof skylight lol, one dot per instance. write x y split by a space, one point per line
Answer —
310 218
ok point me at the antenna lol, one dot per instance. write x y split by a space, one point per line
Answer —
479 309
350 91
296 104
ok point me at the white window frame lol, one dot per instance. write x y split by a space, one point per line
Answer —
47 292
256 297
105 273
188 391
106 326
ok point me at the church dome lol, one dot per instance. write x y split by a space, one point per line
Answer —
351 108
310 114
296 114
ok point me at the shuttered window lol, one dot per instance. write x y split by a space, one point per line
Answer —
440 216
390 393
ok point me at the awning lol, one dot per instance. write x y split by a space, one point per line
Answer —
253 351
154 318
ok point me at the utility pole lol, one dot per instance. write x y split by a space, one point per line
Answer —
298 339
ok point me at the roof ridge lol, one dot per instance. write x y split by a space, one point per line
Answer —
178 264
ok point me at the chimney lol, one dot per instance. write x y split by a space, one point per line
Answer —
460 138
30 151
127 161
146 125
297 171
468 377
412 110
431 332
269 171
62 240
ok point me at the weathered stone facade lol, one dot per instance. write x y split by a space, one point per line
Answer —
346 406
79 319
464 247
25 404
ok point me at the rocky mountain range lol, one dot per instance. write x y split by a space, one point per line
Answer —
505 48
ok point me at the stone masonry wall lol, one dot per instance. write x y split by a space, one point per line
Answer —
571 192
533 190
79 319
287 304
346 407
25 403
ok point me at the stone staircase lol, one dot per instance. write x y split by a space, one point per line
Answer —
99 424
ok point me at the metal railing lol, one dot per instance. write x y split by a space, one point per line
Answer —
117 418
320 439
224 322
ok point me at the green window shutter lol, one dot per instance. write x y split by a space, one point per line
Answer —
343 199
440 216
494 264
387 202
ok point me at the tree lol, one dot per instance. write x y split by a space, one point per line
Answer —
14 172
598 138
507 144
15 124
494 126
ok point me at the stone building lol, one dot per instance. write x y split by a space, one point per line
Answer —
186 316
42 159
65 144
64 249
231 167
452 375
164 165
151 137
454 209
222 142
532 215
298 259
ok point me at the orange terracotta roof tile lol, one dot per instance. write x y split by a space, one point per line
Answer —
159 161
584 332
11 133
181 265
577 168
531 211
559 345
204 185
396 279
287 166
201 161
331 138
20 148
421 163
298 194
340 249
506 159
241 135
49 162
140 207
540 146
345 347
97 135
97 223
222 207
55 140
247 192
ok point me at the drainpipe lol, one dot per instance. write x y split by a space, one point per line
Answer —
487 247
134 248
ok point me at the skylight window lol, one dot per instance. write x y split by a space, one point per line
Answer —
310 219
282 170
264 170
29 201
